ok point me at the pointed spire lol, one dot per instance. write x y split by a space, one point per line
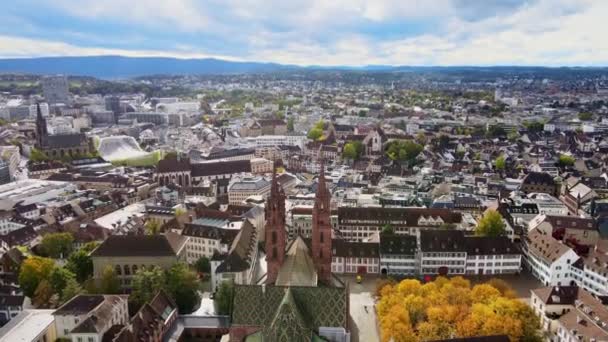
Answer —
38 111
274 187
321 187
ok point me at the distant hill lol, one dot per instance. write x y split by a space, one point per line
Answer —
111 67
123 67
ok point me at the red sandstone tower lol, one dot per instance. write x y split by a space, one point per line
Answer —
321 229
275 233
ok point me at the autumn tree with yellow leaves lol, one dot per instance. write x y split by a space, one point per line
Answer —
449 308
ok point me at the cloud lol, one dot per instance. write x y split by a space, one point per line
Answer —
17 47
339 32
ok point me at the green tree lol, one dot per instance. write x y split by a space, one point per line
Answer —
491 224
59 278
57 245
315 134
534 126
34 270
183 285
153 227
146 284
81 264
388 229
585 116
566 160
37 156
404 150
89 246
203 265
109 282
291 124
500 163
71 289
224 297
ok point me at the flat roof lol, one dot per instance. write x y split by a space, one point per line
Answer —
27 326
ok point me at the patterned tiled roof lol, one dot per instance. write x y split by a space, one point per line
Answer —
318 306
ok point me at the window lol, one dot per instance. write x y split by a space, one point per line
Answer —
127 270
117 268
90 339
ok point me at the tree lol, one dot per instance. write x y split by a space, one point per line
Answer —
33 271
71 289
153 227
109 282
291 124
38 156
59 278
451 308
203 265
81 264
57 245
224 297
388 229
146 284
491 224
585 116
315 134
500 163
183 285
566 160
403 150
43 295
534 126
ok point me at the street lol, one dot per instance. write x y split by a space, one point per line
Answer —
364 322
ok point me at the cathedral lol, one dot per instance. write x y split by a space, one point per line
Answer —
298 299
60 145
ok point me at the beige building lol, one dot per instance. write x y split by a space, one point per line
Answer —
128 253
30 325
261 165
241 190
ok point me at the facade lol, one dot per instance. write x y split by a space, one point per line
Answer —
355 257
128 253
398 255
358 223
492 255
539 182
442 252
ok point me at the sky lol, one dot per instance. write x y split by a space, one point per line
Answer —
315 32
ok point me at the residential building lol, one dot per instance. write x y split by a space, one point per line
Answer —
86 318
548 259
398 255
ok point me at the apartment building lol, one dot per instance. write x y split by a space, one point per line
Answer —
548 259
355 257
398 255
358 223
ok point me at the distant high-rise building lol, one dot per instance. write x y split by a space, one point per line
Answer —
55 89
113 105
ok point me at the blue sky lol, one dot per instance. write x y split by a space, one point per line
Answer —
314 32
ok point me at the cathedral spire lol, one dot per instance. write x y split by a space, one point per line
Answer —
321 229
275 231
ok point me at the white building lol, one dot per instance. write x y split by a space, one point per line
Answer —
548 259
88 317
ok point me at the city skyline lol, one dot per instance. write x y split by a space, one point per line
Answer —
438 32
